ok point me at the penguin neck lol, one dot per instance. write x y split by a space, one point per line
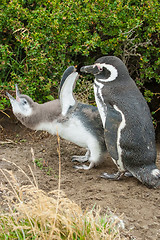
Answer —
98 83
42 114
47 113
114 89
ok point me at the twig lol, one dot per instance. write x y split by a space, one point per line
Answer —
6 142
5 113
132 29
3 159
59 184
157 110
33 157
34 178
14 190
33 160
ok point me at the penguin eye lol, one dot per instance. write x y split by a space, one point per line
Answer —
100 67
24 102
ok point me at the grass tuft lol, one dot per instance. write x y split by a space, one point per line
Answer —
34 214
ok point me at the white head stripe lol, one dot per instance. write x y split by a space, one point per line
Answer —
112 69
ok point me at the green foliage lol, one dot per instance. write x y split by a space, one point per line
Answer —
15 233
43 165
40 39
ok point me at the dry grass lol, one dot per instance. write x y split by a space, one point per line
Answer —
35 214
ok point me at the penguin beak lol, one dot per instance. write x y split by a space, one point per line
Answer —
10 97
90 69
87 69
17 93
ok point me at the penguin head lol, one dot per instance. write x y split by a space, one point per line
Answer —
22 105
107 69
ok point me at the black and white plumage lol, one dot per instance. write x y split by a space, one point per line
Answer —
74 121
127 122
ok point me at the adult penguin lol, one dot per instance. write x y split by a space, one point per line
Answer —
127 122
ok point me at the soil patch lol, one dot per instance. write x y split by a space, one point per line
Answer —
139 205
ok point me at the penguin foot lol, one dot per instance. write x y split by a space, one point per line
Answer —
81 159
85 167
128 174
114 176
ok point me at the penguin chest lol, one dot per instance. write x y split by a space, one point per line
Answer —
74 131
100 101
115 123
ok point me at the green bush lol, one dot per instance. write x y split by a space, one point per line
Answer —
41 38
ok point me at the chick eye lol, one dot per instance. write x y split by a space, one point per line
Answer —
24 102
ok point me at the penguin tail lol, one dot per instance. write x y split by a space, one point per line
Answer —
149 175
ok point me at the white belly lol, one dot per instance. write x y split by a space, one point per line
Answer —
74 131
71 130
103 113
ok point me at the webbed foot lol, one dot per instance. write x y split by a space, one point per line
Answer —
114 176
85 167
128 174
81 159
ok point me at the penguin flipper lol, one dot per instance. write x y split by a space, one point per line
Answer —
66 89
112 123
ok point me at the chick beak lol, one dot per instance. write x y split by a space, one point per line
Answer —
17 93
10 97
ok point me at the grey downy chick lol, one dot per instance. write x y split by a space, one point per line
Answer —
74 121
127 122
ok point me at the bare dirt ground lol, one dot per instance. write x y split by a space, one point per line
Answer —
139 205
